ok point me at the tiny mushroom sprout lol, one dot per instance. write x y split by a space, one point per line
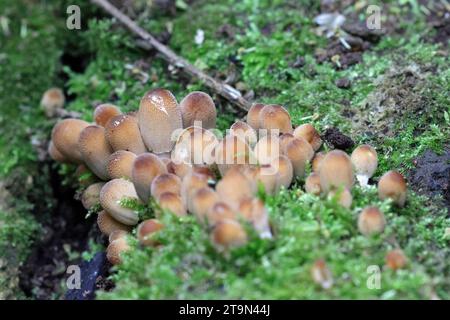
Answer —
336 171
321 274
310 134
122 133
234 187
198 108
116 249
343 197
365 161
244 131
275 119
112 193
254 211
312 184
120 164
202 202
65 136
91 195
253 115
159 118
108 224
371 221
392 185
52 100
300 152
95 150
146 167
172 202
165 182
228 234
104 112
396 259
146 232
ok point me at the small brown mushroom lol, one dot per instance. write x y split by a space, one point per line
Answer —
65 136
245 132
317 160
253 115
285 172
267 149
146 232
116 249
396 259
107 224
234 187
91 195
254 211
95 150
179 169
165 182
120 164
116 234
371 221
159 119
343 197
52 100
285 138
55 154
122 133
202 202
110 196
336 171
198 109
172 202
392 185
300 152
190 184
146 167
321 274
312 184
220 211
275 119
365 161
104 112
310 134
228 234
232 151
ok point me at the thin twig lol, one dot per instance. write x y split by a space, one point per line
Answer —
225 90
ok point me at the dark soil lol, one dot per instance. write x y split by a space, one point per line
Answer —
65 234
337 140
432 175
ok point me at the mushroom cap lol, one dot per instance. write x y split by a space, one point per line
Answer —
120 164
111 195
343 197
52 100
232 151
234 187
300 152
116 234
275 119
195 145
190 184
159 119
268 177
91 195
122 133
312 184
172 202
108 224
228 234
365 161
253 115
179 169
396 259
115 249
146 167
392 185
245 132
104 112
336 171
371 221
285 172
198 107
95 150
202 202
285 138
55 154
146 232
165 182
317 160
267 149
220 211
321 274
254 211
310 134
65 135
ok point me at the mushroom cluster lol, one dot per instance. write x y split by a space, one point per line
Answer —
171 153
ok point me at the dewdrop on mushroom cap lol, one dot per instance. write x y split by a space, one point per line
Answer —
104 112
65 136
336 171
159 117
392 185
145 168
122 133
198 107
310 134
112 193
365 161
120 164
95 150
